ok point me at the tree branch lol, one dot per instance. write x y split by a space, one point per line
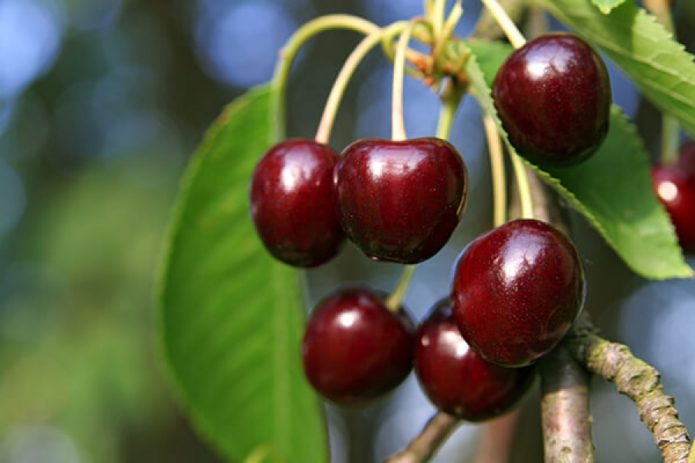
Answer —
421 449
637 380
564 384
496 439
565 409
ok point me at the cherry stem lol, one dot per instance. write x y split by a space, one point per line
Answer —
398 132
499 180
450 104
424 446
670 128
395 299
525 196
437 16
323 133
516 38
295 43
449 25
418 33
446 117
670 134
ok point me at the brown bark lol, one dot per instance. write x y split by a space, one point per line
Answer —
565 409
423 447
637 380
496 439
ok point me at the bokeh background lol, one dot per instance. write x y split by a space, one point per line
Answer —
101 104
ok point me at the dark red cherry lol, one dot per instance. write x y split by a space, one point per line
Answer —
400 201
294 205
355 349
553 96
516 291
675 188
456 379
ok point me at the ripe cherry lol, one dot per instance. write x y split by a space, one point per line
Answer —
675 188
294 205
553 96
516 291
400 201
355 349
456 379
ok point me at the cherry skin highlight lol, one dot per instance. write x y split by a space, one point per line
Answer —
553 96
456 379
516 291
675 188
400 201
294 204
355 349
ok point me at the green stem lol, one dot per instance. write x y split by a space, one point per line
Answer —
338 91
451 21
450 105
525 197
291 48
516 38
395 299
499 180
670 132
446 117
437 18
670 128
398 132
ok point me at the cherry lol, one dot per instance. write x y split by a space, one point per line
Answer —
516 291
675 188
355 349
456 379
400 201
553 96
294 205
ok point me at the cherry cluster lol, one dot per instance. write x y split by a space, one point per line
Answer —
516 290
515 293
397 201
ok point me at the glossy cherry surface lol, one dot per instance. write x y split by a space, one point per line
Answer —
401 201
456 379
553 96
675 188
355 349
294 204
517 290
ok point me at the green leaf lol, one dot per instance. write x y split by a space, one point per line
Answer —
612 189
231 316
606 6
489 55
631 37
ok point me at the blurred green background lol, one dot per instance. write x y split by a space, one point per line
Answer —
101 103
